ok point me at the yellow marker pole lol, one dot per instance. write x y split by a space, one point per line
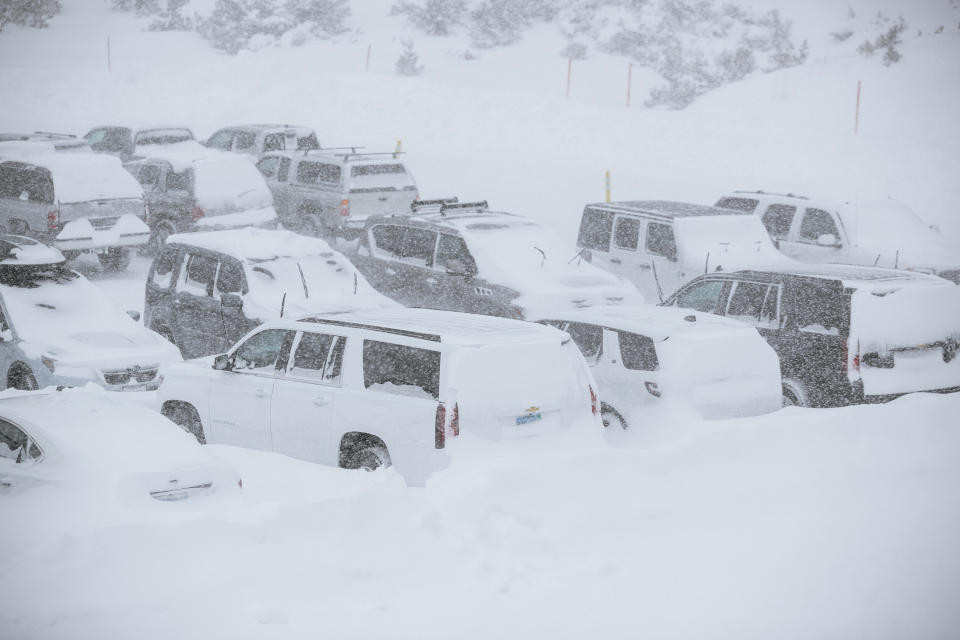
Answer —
399 147
607 184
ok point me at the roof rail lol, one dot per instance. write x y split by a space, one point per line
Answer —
761 192
325 149
55 135
416 205
479 206
346 156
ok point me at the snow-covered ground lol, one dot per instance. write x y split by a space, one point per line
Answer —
803 523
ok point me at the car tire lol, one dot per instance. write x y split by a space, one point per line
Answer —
186 417
371 458
165 333
794 394
611 417
115 259
22 378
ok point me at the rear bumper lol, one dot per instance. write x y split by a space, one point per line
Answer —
80 235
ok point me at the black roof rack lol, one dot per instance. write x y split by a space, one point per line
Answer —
373 327
436 203
52 134
761 192
346 156
480 205
353 150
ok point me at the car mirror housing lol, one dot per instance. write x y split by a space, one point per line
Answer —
222 362
827 240
134 315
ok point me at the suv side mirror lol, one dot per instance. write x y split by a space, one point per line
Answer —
828 240
134 315
223 362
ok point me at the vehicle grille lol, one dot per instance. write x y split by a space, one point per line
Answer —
102 223
129 375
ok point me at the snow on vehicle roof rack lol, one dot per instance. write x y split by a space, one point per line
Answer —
478 206
436 203
353 150
761 192
363 154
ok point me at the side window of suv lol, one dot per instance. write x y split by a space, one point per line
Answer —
387 239
819 310
178 181
222 139
453 255
198 274
626 233
702 296
637 352
318 357
418 246
754 303
284 170
595 229
660 240
268 166
399 369
816 223
15 445
38 186
261 351
230 277
588 338
163 267
777 219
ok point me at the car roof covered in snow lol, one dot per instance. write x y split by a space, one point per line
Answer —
82 176
447 327
664 208
300 130
463 221
652 321
849 275
20 250
255 245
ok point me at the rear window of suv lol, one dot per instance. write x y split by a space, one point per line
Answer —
375 169
595 229
739 204
402 370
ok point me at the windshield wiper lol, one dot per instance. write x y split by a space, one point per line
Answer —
544 259
306 292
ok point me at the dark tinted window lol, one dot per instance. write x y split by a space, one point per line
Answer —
588 338
746 301
314 172
702 296
10 184
453 255
261 350
637 352
178 181
375 169
318 356
222 139
738 204
198 276
149 176
274 142
626 234
268 166
284 169
418 246
816 223
777 219
660 240
230 277
595 229
163 266
388 238
400 369
819 309
15 445
244 139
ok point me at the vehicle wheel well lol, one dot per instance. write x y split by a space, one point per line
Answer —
19 369
355 441
794 393
185 415
609 408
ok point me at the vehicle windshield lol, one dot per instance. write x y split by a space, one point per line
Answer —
163 136
883 224
519 245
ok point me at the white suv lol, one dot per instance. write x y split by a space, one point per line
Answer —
371 388
877 234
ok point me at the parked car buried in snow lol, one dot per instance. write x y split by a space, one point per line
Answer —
843 334
204 291
56 328
884 234
326 193
462 257
128 142
369 388
75 201
93 445
659 246
646 356
189 190
255 139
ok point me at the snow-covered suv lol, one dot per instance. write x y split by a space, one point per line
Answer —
879 234
326 193
463 257
843 333
254 139
369 388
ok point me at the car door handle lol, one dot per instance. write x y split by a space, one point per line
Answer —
615 260
430 280
321 401
260 392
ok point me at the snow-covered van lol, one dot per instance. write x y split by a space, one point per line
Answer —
190 188
658 245
74 201
843 334
206 290
57 328
879 234
646 356
327 193
370 388
461 256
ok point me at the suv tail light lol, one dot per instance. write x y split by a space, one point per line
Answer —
53 221
455 420
850 365
197 213
439 428
594 405
344 207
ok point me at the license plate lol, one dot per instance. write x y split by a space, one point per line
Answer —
529 417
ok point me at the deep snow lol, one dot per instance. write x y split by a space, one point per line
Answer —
802 523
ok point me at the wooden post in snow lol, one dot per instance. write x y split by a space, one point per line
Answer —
569 71
629 80
367 67
856 117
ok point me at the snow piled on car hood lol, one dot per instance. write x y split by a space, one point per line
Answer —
725 242
230 182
